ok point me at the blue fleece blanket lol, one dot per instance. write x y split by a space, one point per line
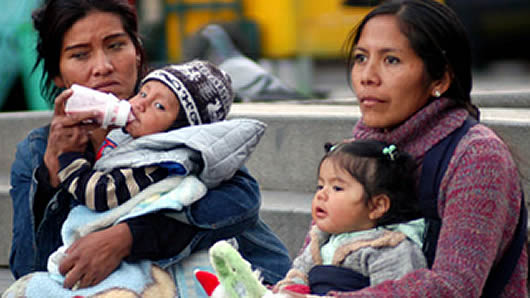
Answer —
142 279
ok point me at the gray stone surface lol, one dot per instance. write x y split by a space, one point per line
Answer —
292 146
505 99
14 127
481 98
6 219
5 279
289 215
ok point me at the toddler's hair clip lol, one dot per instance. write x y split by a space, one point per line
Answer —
391 151
330 146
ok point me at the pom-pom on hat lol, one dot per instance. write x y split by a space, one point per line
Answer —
204 91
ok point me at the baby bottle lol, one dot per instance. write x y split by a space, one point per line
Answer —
111 110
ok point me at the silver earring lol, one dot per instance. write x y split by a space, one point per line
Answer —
437 93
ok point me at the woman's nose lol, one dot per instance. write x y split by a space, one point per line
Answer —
370 73
102 64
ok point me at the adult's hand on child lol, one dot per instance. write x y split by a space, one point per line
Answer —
67 134
92 258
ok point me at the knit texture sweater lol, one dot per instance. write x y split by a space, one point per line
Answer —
378 254
479 202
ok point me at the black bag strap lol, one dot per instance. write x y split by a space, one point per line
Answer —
435 164
325 278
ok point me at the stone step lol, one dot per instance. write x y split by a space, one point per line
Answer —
285 161
6 279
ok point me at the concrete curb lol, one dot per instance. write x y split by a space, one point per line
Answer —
483 99
285 161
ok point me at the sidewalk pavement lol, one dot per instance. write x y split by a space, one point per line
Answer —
5 279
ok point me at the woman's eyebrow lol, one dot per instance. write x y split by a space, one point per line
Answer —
85 44
114 35
75 46
382 50
357 48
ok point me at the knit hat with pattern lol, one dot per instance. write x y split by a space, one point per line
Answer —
204 91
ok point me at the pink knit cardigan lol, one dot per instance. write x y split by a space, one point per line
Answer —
479 203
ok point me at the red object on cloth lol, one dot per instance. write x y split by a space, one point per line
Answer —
301 289
207 280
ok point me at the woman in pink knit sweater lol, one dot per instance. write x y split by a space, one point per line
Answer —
411 71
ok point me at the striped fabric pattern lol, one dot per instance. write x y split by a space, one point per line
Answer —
102 191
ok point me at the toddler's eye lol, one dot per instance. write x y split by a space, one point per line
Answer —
338 188
320 187
143 94
160 106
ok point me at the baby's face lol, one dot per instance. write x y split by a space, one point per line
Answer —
155 107
338 205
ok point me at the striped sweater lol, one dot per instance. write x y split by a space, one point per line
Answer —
100 190
479 203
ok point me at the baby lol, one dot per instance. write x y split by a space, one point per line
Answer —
170 98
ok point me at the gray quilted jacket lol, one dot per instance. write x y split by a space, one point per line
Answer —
221 147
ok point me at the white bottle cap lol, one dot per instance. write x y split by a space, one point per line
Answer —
116 113
123 113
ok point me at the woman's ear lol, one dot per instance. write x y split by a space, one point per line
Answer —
439 87
379 205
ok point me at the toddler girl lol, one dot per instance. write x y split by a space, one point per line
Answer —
366 228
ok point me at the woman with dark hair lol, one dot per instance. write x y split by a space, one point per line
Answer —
410 68
438 38
95 43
